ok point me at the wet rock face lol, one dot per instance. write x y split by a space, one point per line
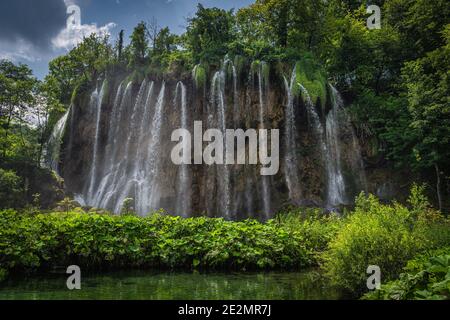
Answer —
126 152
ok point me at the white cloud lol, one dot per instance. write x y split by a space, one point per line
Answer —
70 37
18 50
73 34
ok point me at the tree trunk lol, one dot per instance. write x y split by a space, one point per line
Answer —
438 186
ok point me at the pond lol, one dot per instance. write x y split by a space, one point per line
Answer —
150 285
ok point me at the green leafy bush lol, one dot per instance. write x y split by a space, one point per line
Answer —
11 191
426 277
199 74
383 235
317 229
96 241
3 274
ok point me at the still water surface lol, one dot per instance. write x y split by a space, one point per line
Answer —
145 285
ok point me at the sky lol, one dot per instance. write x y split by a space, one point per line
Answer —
35 31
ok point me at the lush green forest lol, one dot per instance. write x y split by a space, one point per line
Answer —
395 81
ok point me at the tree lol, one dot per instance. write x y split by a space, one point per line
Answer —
427 83
127 207
17 86
209 34
11 190
84 63
139 45
66 205
419 22
119 47
153 29
164 42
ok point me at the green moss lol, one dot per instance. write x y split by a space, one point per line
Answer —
74 94
200 75
311 76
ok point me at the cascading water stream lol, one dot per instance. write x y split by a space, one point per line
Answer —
314 120
108 161
127 167
96 101
54 143
149 192
330 149
143 135
105 193
218 99
265 180
183 205
340 118
291 160
336 193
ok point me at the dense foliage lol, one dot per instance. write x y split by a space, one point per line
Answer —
91 240
426 277
383 235
373 234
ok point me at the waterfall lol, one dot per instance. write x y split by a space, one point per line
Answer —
106 192
218 100
314 120
149 191
96 102
338 121
291 161
128 132
265 180
52 154
127 181
330 148
336 193
183 205
109 160
132 153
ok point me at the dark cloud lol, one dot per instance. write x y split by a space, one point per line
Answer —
35 21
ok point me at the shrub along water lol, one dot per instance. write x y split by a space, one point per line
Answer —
98 241
344 246
425 277
383 235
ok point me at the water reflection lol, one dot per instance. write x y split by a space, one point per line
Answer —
144 285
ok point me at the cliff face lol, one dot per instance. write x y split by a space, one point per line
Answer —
117 145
